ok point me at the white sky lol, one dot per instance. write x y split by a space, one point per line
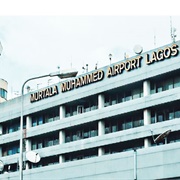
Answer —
37 36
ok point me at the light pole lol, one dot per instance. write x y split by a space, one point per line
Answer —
65 74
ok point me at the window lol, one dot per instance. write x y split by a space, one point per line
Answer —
11 126
3 93
177 82
45 141
177 114
46 116
165 84
77 133
38 120
168 112
160 117
128 96
10 149
136 93
153 117
129 124
168 84
81 155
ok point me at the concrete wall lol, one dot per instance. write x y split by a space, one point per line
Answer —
152 163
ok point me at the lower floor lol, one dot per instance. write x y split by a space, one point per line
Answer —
158 162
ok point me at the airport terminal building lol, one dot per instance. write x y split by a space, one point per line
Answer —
103 124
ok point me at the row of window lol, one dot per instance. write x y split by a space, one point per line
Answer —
89 104
167 113
45 116
165 84
11 126
81 154
123 123
10 149
38 143
89 153
122 96
113 124
81 133
82 106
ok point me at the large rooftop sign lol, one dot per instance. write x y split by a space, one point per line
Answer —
120 67
111 71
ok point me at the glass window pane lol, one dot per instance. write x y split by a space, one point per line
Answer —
114 128
177 114
129 124
168 84
136 93
40 120
177 82
160 117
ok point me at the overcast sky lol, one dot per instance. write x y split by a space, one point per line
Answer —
36 44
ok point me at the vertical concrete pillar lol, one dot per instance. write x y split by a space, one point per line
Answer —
28 141
101 128
101 101
62 112
101 151
61 141
28 148
61 158
147 112
147 120
61 137
28 122
101 131
146 88
101 124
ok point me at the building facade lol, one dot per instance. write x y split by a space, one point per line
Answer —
3 90
101 124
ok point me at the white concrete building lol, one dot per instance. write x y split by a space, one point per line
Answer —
99 125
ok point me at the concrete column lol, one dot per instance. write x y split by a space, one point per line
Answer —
62 112
61 137
147 112
28 145
28 122
101 124
147 120
146 88
147 117
28 148
101 151
101 101
61 159
28 141
101 128
101 131
61 141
